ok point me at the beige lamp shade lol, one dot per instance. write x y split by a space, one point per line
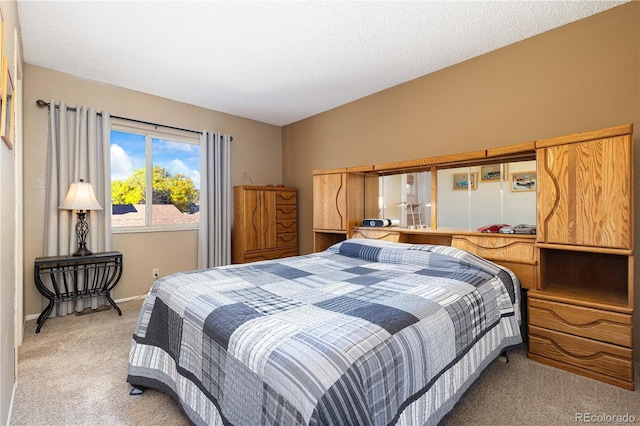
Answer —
80 197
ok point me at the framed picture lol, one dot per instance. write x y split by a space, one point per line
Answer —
523 181
7 120
505 171
461 181
1 56
491 173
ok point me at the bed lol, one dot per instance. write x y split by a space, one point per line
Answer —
367 332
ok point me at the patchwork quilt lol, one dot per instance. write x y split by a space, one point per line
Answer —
364 333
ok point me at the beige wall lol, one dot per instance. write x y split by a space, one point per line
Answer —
580 77
256 149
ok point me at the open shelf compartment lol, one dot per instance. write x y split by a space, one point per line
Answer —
599 280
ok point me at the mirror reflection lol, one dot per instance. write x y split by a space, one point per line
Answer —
406 199
467 197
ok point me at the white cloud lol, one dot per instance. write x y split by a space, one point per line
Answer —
195 177
171 146
121 163
178 166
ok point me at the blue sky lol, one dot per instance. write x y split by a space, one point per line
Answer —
128 154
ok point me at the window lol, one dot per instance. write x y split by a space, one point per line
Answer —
155 179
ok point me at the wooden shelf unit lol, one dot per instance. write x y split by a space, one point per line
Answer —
581 258
581 313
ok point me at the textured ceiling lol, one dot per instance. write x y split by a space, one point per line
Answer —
276 62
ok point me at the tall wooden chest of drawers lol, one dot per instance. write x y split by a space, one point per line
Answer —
265 223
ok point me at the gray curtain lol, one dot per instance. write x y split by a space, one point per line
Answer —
214 236
78 148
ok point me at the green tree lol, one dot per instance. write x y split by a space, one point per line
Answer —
131 190
183 192
178 189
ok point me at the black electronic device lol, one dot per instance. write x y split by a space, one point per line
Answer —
376 223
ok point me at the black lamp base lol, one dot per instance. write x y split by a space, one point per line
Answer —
82 229
83 251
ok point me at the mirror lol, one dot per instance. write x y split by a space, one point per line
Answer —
467 197
406 199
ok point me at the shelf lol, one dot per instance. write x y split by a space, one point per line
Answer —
606 299
600 280
449 232
322 240
589 249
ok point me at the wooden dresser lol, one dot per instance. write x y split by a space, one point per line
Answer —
265 223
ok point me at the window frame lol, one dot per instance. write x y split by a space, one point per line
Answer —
151 132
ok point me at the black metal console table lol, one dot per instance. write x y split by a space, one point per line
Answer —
77 277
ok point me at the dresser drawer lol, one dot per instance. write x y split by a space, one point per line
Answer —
376 234
286 225
605 326
516 253
287 239
254 256
601 358
526 273
507 248
286 197
286 211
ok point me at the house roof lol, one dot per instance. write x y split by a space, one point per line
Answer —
163 214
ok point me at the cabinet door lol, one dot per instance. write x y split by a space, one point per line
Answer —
585 193
260 219
330 202
269 220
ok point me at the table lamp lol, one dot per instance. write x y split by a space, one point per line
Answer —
81 198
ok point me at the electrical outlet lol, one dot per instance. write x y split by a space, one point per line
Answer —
155 273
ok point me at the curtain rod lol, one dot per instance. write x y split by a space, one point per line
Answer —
43 104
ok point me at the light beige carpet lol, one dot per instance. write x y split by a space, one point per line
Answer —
73 373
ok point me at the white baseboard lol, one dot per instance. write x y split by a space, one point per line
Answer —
31 317
13 398
123 300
